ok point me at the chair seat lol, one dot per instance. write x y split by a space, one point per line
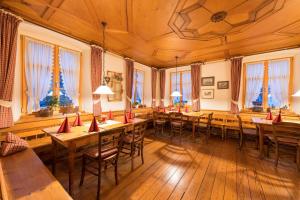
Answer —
178 124
129 138
285 140
94 152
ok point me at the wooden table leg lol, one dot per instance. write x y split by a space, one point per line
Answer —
54 155
193 128
71 160
261 141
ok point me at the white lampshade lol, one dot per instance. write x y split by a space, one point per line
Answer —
176 94
103 89
297 94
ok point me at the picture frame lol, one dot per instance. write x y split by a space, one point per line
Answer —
115 83
207 94
208 81
223 85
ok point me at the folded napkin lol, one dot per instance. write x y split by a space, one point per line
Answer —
269 116
186 109
64 127
110 115
278 118
13 144
130 114
164 110
179 110
94 125
77 121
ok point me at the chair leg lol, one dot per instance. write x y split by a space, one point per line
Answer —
99 181
298 158
276 153
82 171
241 141
116 173
142 152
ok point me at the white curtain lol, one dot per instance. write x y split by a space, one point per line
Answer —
38 71
279 75
70 70
186 86
173 85
254 82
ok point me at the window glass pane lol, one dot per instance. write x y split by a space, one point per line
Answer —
254 84
138 90
174 87
186 86
278 80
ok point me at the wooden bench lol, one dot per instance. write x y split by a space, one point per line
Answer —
24 176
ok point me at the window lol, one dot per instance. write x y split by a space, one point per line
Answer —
138 87
268 84
50 72
183 85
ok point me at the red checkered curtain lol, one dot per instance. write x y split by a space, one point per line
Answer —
9 24
96 74
236 73
162 81
196 85
129 81
154 78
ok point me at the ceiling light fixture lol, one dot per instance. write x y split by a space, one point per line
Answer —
103 89
176 93
297 94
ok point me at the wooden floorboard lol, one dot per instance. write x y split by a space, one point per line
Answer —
188 169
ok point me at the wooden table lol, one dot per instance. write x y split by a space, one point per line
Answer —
24 176
265 126
79 137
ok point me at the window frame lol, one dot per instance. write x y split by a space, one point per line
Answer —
56 69
180 83
134 85
265 103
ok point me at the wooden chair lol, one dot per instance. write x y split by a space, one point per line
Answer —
244 132
176 122
218 121
159 121
109 147
285 134
134 141
205 125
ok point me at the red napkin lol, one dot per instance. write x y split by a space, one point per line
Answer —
77 121
179 110
186 109
126 120
64 127
269 116
94 125
130 114
110 115
278 118
164 110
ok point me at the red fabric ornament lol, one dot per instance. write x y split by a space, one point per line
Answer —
64 127
164 110
179 110
94 125
77 121
186 109
126 120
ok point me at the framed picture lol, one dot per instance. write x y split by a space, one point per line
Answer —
207 94
115 84
208 81
223 85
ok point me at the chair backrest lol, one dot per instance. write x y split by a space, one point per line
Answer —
176 116
111 139
209 119
139 130
286 130
240 123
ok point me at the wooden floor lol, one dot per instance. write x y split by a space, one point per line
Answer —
193 170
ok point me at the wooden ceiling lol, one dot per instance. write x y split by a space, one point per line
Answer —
153 32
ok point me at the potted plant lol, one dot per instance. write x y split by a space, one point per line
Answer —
52 103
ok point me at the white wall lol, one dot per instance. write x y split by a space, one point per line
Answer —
112 62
